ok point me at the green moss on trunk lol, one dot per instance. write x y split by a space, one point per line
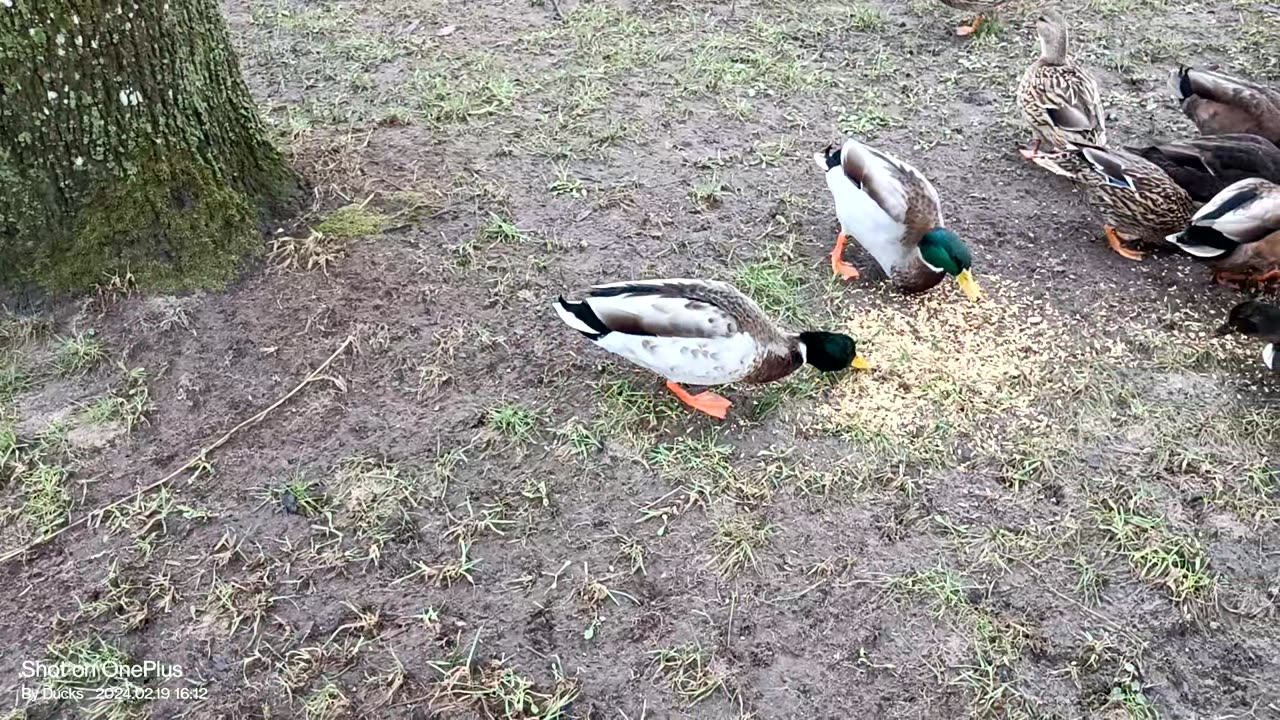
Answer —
128 142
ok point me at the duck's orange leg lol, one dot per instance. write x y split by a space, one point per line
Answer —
971 28
838 265
707 402
1116 244
1267 277
1233 280
1030 153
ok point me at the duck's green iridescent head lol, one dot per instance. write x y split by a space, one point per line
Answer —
942 250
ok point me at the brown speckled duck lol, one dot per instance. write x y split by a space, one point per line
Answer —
893 212
1219 104
978 7
1239 230
1137 200
1206 166
1058 98
700 332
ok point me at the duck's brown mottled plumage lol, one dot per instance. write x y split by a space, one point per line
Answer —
1059 99
1219 104
1134 196
1206 166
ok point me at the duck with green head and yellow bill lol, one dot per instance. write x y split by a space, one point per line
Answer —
700 332
893 212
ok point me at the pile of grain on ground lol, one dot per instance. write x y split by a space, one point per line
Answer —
940 360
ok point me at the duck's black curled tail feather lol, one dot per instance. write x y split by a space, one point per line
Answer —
580 317
1207 237
1184 82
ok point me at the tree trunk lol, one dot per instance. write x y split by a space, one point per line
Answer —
129 143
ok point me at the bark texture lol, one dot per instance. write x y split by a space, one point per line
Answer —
128 143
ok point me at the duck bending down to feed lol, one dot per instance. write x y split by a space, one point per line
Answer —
978 8
700 332
1239 230
1137 200
1059 99
893 211
1220 104
1205 166
1258 320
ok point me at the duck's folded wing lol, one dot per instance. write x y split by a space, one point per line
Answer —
1244 212
662 308
899 189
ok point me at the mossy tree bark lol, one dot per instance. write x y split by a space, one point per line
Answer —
129 142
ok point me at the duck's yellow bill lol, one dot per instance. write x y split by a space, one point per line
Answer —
969 286
860 363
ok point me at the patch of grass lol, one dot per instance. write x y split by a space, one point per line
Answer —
463 91
147 517
763 61
78 353
1175 563
633 415
13 381
316 251
737 540
512 422
579 439
373 499
448 573
709 194
242 603
127 404
495 690
46 499
97 664
352 222
692 673
132 602
1127 694
326 703
940 587
778 285
502 230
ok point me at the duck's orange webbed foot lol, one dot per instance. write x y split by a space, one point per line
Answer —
706 402
1116 244
838 265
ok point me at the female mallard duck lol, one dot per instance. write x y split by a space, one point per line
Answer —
1259 320
894 213
1137 200
1220 104
1240 230
1205 166
700 332
978 7
1058 98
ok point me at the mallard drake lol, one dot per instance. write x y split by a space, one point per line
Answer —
978 7
700 332
1058 98
1137 200
1205 166
894 213
1258 320
1220 104
1240 230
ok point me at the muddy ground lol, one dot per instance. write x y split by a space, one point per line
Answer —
1061 502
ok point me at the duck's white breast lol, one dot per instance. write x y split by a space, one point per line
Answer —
866 222
695 361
